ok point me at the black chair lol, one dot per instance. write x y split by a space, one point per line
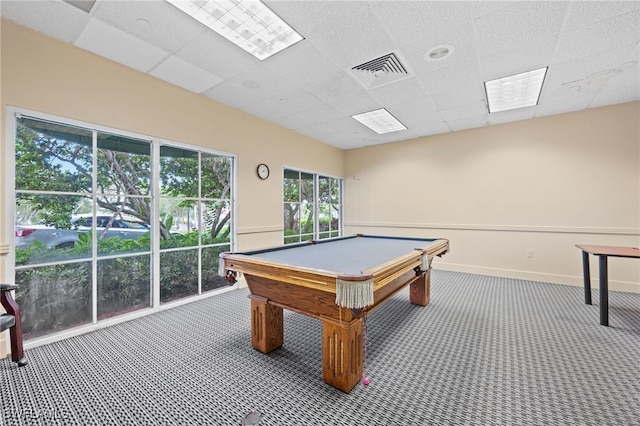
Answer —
11 321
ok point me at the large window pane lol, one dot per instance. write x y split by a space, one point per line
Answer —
178 223
52 157
178 274
124 285
306 188
216 176
291 186
216 222
124 167
45 230
178 172
54 298
210 258
124 177
324 215
117 232
291 222
329 209
307 223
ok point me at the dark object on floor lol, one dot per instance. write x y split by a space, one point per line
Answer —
11 321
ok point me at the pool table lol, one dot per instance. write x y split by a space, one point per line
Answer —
337 281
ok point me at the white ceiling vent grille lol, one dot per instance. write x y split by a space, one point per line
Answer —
378 72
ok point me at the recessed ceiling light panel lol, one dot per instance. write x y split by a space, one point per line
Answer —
380 121
249 24
515 91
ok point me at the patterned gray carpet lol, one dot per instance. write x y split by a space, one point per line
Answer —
485 351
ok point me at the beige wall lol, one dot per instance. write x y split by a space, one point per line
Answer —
498 192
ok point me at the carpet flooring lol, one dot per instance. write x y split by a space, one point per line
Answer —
485 351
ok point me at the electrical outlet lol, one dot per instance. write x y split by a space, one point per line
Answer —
529 253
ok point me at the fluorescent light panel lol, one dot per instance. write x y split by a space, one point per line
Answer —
515 91
380 121
248 24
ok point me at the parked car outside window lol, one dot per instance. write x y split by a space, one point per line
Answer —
25 235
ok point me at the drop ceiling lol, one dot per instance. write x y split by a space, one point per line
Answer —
447 48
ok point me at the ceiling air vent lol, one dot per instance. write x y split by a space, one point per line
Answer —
378 72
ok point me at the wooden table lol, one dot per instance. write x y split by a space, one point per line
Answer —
603 253
318 279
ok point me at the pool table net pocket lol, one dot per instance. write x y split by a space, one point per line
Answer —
356 292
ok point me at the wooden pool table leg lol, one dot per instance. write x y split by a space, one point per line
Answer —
342 353
420 289
267 325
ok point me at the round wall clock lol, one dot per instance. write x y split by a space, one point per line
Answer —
263 171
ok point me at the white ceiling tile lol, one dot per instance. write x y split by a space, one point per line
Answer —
233 95
625 75
399 92
588 12
155 22
267 109
309 117
409 21
47 20
467 123
477 109
463 95
217 55
524 21
528 56
416 112
448 79
356 104
296 100
344 127
565 105
114 44
302 63
307 17
422 123
620 31
511 115
580 70
353 40
183 74
262 81
479 8
616 96
335 87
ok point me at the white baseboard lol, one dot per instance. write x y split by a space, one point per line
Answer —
577 281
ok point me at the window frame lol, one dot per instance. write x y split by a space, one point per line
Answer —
316 202
11 116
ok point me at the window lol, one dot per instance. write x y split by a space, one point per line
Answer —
91 220
195 209
312 206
